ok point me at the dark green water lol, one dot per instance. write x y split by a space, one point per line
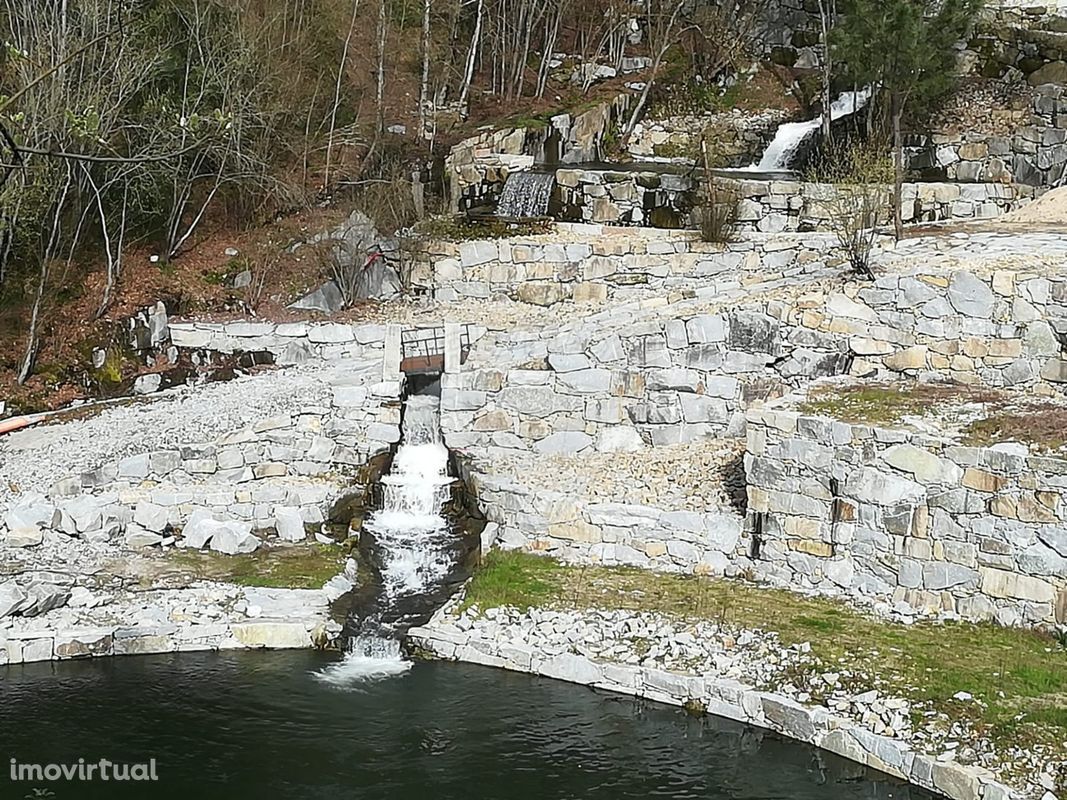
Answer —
255 725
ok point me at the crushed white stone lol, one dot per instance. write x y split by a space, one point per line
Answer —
32 460
703 475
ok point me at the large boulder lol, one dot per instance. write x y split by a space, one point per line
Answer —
151 517
198 530
82 515
326 299
33 511
378 281
289 524
233 538
43 597
28 536
1053 72
12 598
137 537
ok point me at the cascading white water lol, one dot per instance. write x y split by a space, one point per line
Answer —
790 136
370 658
412 535
410 529
526 194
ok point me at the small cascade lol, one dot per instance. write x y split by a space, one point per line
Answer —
410 529
414 547
526 194
790 136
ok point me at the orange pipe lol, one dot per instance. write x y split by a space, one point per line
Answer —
14 423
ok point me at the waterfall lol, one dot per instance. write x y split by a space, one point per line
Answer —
413 534
526 194
790 136
414 539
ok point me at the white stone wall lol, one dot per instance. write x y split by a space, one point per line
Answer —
596 266
637 198
609 533
290 342
297 462
909 518
1034 154
623 382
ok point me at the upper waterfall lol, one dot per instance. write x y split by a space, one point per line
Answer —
526 194
791 135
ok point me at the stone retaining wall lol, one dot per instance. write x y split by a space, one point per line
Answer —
290 342
908 517
477 168
740 137
286 619
608 533
295 463
599 265
999 329
1034 155
722 697
663 382
666 200
623 382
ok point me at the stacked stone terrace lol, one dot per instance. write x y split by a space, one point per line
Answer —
910 513
75 542
690 368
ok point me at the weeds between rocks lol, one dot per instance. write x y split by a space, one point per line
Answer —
306 566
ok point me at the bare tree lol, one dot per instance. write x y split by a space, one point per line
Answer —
827 21
468 72
337 94
665 25
379 73
424 78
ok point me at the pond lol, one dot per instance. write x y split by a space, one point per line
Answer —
266 725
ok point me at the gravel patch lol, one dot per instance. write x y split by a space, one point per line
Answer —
704 475
34 459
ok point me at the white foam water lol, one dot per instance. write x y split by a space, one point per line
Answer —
791 135
526 194
370 659
412 535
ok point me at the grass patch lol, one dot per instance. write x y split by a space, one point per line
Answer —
889 403
1012 671
306 566
514 579
1044 425
1002 417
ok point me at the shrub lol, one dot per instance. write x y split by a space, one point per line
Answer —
855 212
858 199
719 213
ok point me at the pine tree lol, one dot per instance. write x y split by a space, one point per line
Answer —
907 51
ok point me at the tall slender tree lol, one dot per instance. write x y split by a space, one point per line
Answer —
906 50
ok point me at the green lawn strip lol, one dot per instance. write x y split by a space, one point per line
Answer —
1004 418
306 566
1014 672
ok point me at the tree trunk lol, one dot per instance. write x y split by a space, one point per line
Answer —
424 82
826 17
379 89
468 72
337 96
898 169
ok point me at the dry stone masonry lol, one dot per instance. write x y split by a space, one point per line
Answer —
908 517
666 200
